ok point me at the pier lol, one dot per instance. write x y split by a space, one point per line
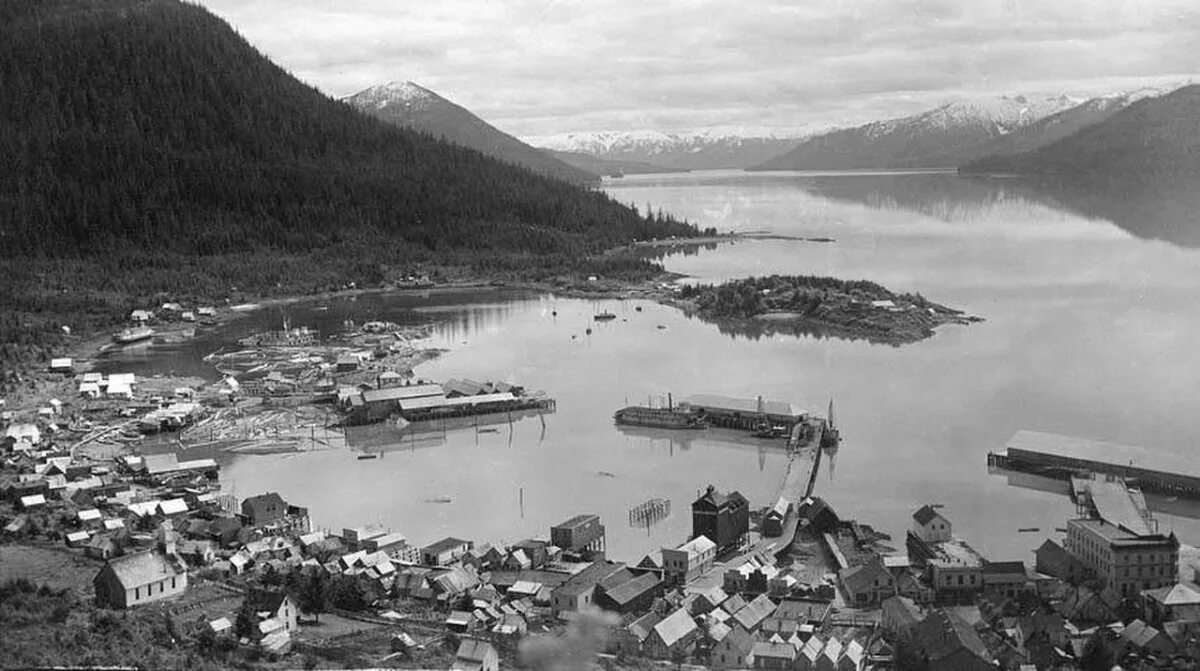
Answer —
1061 456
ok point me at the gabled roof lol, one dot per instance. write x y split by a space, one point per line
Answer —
1004 567
143 568
755 612
642 626
860 578
1179 594
774 650
631 589
714 499
444 545
802 610
925 514
674 627
474 650
943 633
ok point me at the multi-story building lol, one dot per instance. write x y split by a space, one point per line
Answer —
1122 560
725 519
689 560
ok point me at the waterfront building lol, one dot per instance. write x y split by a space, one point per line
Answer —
139 578
772 525
1005 578
1180 601
725 519
1125 562
445 551
743 413
689 560
264 508
582 534
930 526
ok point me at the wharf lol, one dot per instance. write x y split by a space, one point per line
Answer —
1060 456
1115 503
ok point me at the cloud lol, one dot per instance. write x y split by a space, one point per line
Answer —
554 66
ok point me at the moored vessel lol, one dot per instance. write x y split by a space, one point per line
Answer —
132 335
661 418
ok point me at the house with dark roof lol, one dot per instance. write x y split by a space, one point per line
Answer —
930 526
817 515
724 518
139 578
628 639
1053 560
950 644
630 596
1004 578
275 605
264 508
578 591
476 655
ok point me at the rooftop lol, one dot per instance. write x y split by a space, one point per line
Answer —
955 553
577 520
448 543
143 568
749 406
1117 535
400 393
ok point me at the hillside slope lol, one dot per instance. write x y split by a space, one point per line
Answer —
146 149
1154 138
408 105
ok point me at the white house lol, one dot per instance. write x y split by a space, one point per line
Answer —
930 526
689 560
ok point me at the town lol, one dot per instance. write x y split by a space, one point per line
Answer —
773 584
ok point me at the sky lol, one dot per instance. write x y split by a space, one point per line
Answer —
551 67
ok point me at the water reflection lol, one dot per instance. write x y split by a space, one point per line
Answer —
390 436
1165 209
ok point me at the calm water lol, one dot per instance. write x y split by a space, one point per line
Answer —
1089 332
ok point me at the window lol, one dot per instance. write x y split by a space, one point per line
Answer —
172 582
137 592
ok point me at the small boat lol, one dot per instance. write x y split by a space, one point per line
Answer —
604 316
1026 530
368 456
132 335
440 499
588 331
638 308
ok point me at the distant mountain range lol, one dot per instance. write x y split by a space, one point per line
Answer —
603 166
945 136
1152 138
671 151
408 105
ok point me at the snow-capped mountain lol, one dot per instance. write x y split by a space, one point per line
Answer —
407 104
944 136
674 151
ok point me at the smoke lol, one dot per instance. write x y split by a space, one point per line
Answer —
573 650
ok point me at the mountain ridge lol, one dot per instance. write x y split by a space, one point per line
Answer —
406 104
672 150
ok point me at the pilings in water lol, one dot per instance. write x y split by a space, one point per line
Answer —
649 513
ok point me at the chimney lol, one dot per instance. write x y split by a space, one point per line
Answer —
760 405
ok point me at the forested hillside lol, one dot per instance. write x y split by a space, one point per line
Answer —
1152 139
146 148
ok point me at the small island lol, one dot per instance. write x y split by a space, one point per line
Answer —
817 306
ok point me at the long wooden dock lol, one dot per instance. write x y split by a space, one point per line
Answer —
1060 456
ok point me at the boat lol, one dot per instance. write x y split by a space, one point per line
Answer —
604 316
765 430
368 456
661 418
132 335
